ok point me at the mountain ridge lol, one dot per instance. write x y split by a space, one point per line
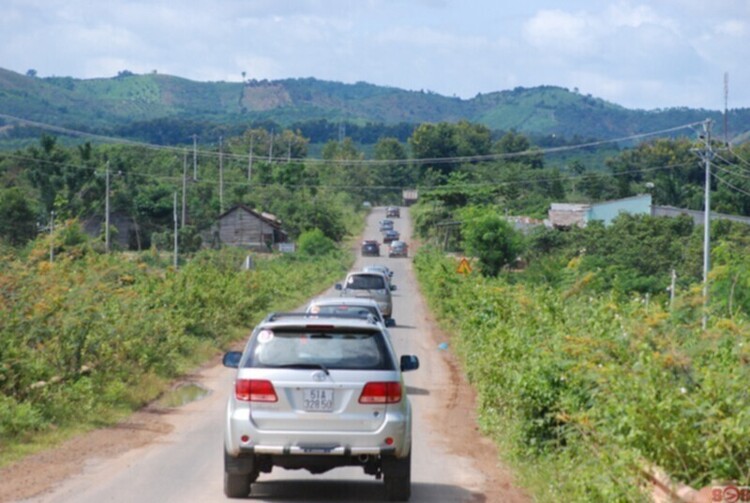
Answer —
105 104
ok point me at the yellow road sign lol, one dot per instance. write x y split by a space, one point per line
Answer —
464 267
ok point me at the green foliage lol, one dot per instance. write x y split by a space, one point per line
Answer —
585 388
314 243
445 140
71 348
490 238
17 217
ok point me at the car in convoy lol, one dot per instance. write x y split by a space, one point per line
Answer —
390 236
317 394
348 306
393 212
398 249
385 225
369 284
370 248
379 268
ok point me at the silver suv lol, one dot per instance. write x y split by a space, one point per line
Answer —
371 284
348 306
318 393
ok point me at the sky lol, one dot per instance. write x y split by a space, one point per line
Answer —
646 54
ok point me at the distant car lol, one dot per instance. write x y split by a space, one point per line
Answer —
393 211
373 285
348 306
390 236
380 268
370 248
398 249
386 225
318 394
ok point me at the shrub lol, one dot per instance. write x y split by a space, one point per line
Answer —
314 243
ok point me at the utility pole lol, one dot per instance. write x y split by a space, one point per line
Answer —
270 148
706 154
195 157
672 286
221 175
52 236
184 189
176 230
250 160
106 209
289 152
726 104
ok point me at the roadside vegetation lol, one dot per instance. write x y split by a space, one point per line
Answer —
92 336
589 373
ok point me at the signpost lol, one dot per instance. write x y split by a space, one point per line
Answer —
464 267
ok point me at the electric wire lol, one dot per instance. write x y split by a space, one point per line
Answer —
384 162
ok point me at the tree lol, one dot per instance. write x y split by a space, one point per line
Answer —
17 217
490 238
396 175
447 141
516 143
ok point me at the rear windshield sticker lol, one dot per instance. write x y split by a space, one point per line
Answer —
265 336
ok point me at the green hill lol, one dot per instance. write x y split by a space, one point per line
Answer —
114 105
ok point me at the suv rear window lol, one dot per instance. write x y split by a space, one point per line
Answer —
362 311
365 282
329 349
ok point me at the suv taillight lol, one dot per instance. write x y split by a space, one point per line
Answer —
381 392
254 390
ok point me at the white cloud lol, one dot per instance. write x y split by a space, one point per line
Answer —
637 53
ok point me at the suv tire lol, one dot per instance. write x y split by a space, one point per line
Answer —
397 478
237 485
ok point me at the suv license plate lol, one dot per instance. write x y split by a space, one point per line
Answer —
317 399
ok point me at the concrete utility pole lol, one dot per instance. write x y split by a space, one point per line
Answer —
270 148
176 230
52 236
106 209
184 190
195 157
221 175
706 154
250 160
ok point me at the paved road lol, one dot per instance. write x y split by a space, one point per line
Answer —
186 465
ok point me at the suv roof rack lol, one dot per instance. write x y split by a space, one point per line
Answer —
353 316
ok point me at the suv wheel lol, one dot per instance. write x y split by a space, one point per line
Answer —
397 478
237 485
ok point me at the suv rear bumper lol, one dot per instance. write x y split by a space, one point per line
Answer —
396 427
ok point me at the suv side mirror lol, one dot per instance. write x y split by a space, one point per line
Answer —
393 287
232 359
338 286
390 322
409 362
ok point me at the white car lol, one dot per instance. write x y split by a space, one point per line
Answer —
348 306
318 393
369 284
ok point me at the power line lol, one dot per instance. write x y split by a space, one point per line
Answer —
737 189
374 162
